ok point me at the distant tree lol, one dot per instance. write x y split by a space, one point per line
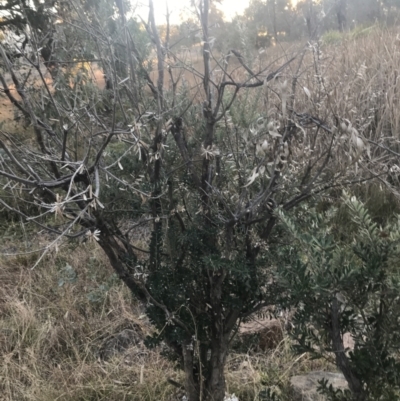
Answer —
256 20
17 14
273 17
218 28
280 16
365 12
341 14
359 11
312 16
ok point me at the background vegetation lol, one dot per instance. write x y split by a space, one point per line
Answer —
208 175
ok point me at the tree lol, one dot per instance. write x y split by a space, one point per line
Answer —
341 10
279 12
206 178
274 18
359 12
346 280
17 14
310 11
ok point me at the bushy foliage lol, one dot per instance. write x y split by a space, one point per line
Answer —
332 37
346 279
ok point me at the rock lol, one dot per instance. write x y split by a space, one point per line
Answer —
260 335
305 386
348 341
119 343
231 397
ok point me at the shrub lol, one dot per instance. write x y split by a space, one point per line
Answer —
348 281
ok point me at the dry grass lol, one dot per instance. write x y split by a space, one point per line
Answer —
51 336
363 73
354 81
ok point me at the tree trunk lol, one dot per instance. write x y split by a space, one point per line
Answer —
191 387
215 385
273 16
221 328
121 259
341 6
342 361
212 387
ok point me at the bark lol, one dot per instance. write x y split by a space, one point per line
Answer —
342 361
191 387
215 386
118 255
212 387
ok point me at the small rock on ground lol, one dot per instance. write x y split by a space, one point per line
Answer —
120 342
305 386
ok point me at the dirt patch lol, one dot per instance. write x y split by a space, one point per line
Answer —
8 112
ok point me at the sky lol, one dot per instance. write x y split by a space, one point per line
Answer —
177 7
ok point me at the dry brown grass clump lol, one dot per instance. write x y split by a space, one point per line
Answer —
54 322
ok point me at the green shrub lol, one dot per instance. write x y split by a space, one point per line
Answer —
332 37
348 283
